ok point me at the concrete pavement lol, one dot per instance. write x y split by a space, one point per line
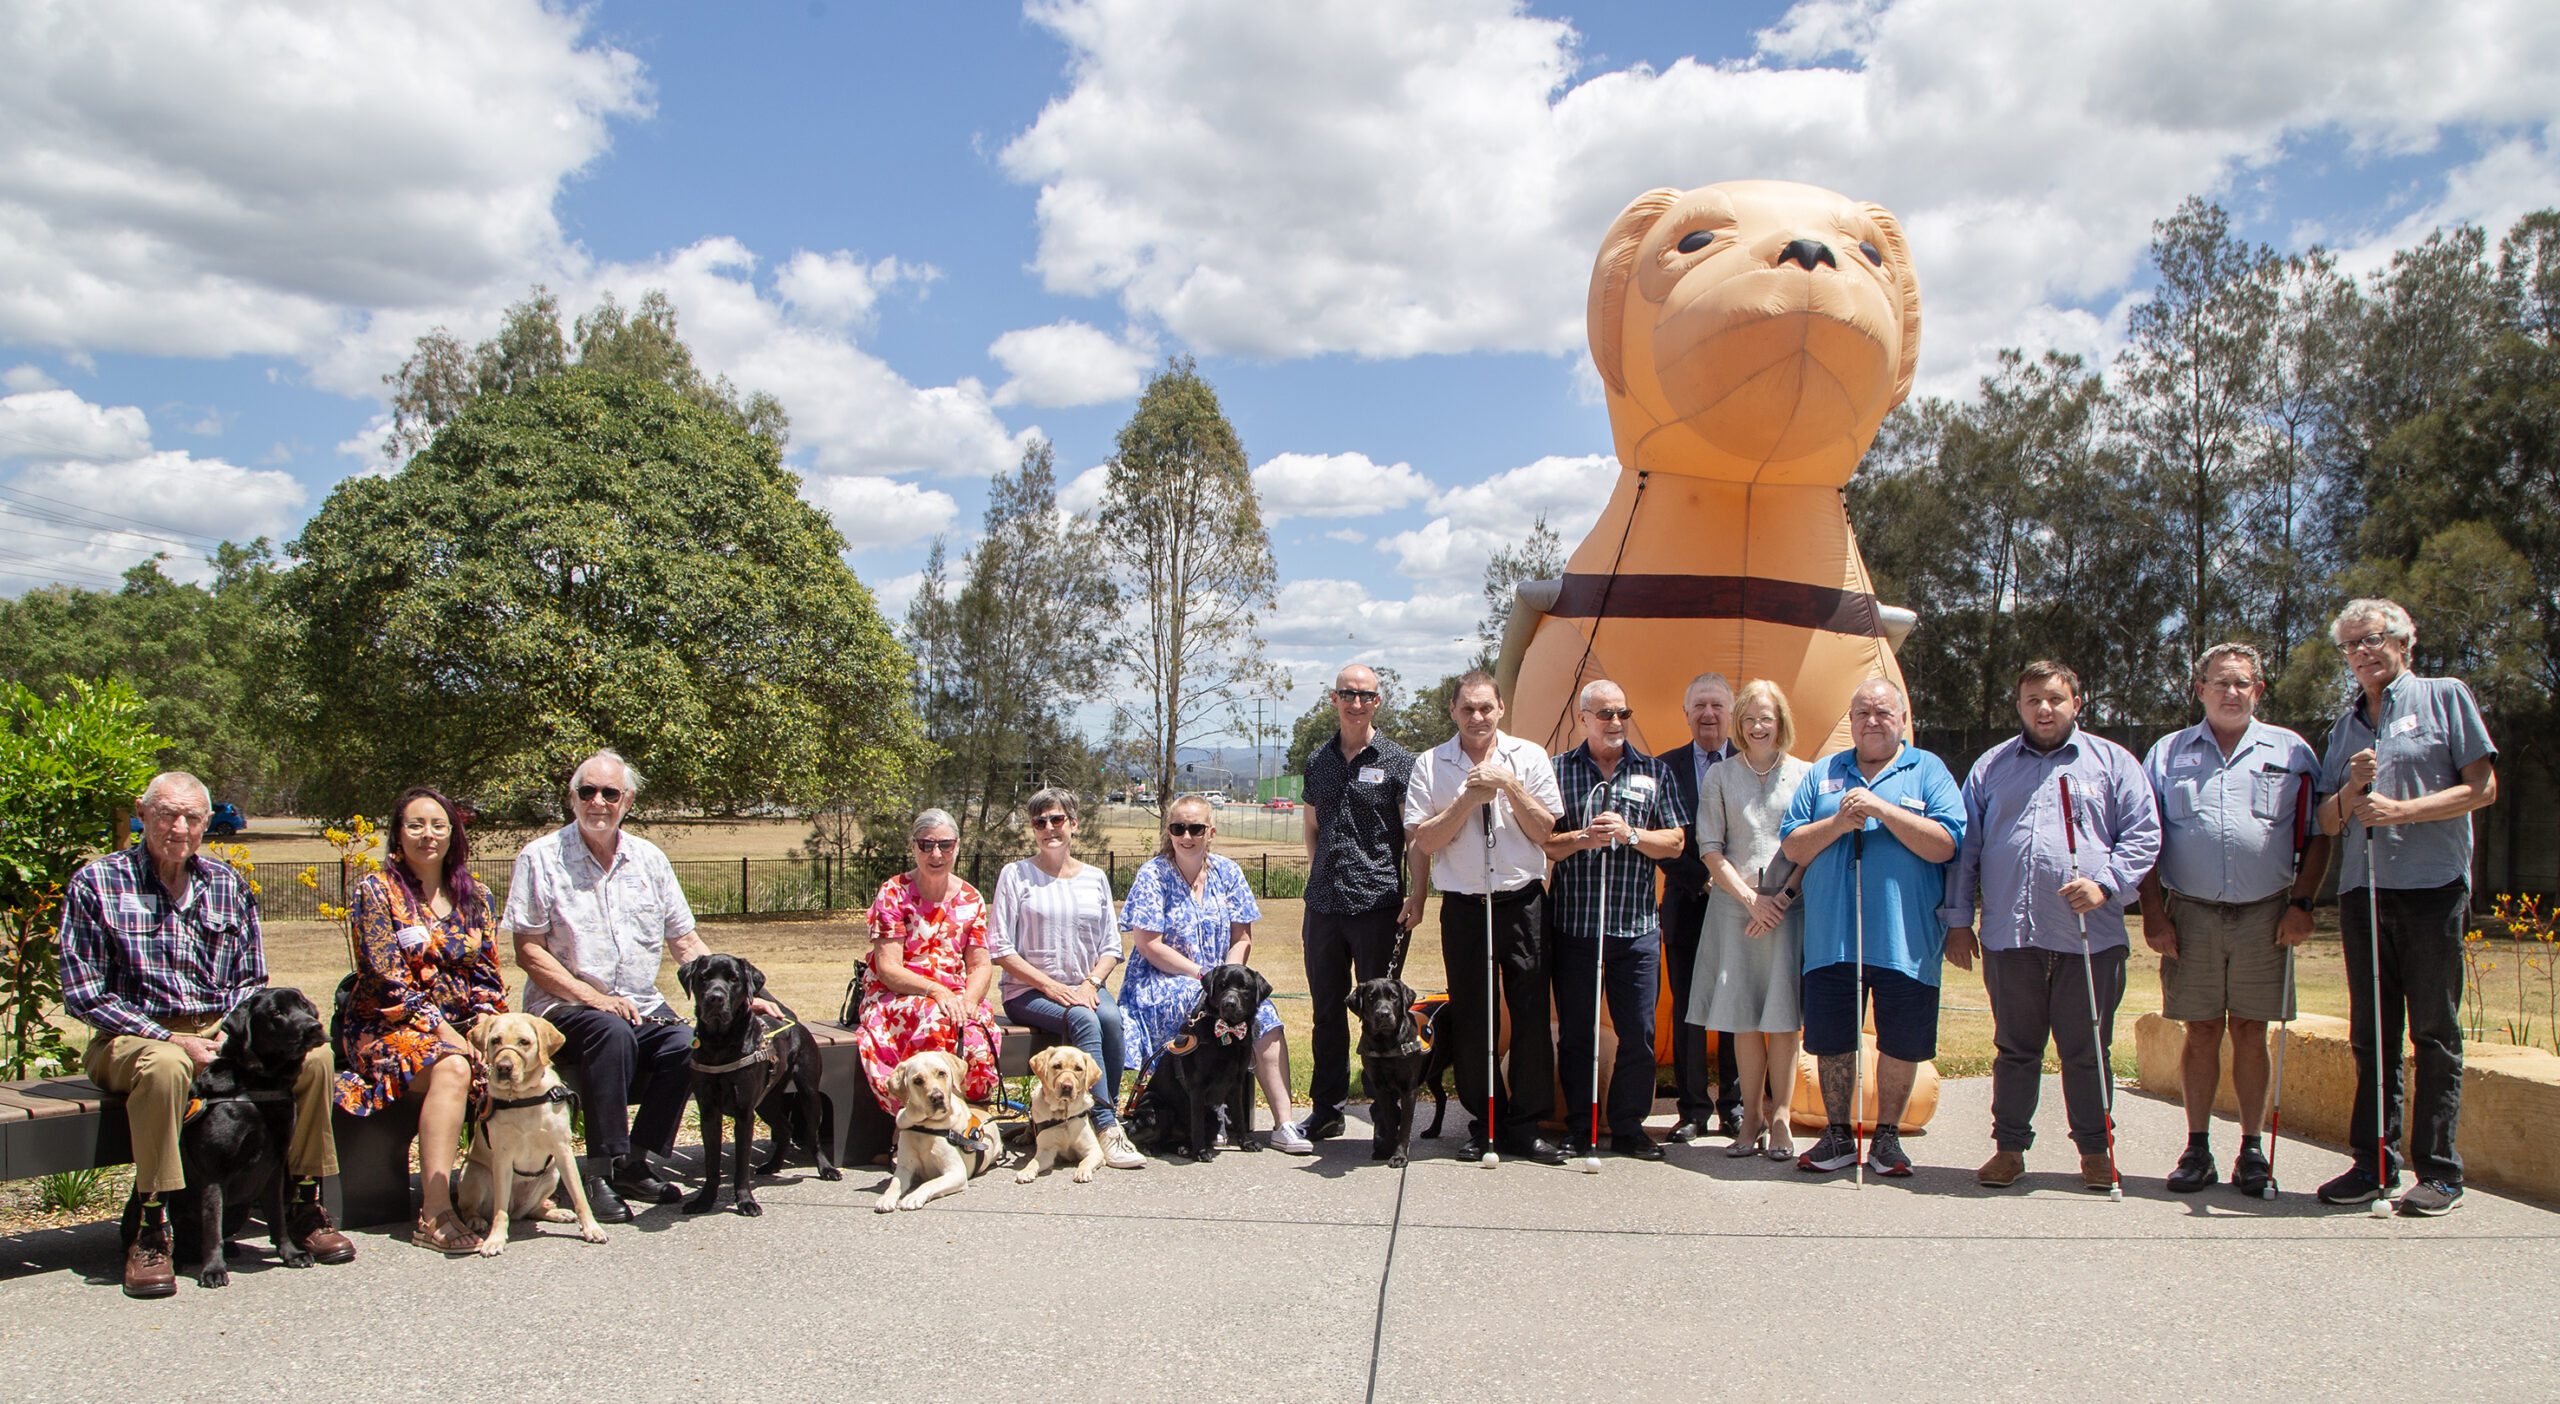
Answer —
1257 1277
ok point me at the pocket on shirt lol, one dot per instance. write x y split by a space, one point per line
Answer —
2266 794
2182 799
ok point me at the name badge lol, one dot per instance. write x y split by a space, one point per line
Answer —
2405 725
1833 786
132 906
2186 762
411 938
1915 804
1640 787
1373 775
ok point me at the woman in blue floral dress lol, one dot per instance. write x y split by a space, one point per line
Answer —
1190 909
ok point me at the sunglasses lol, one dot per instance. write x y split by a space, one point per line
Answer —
607 793
1353 695
1186 830
935 845
1050 821
1615 713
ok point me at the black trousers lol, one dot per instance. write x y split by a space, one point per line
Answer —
1702 1090
1336 947
2040 996
2422 931
1631 972
1519 943
649 1065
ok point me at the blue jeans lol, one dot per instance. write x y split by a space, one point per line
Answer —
1095 1030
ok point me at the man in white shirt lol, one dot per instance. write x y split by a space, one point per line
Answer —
1478 783
595 911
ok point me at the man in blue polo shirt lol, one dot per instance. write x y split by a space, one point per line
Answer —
2404 769
1910 814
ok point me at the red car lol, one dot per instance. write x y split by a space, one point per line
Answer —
1280 804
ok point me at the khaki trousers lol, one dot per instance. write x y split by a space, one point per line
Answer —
157 1078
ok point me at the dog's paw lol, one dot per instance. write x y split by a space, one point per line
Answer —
493 1245
593 1233
888 1205
829 1172
550 1215
1027 1174
293 1257
917 1200
1395 1162
747 1207
1084 1174
702 1203
1248 1144
214 1276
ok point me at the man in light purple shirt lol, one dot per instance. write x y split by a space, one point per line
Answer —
2042 906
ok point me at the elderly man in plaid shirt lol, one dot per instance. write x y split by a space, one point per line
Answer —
157 946
1622 816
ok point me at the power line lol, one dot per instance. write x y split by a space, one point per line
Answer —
15 491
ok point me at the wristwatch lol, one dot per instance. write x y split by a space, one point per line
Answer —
2301 904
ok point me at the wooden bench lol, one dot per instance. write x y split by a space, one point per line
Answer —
51 1125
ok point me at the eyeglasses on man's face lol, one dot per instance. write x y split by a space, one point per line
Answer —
935 845
1050 821
2370 643
588 794
1186 830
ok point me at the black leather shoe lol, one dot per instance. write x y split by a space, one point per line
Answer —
1636 1147
1685 1132
2195 1171
607 1205
1537 1148
636 1185
1472 1149
1324 1130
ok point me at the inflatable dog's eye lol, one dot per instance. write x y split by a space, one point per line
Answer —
1874 256
1696 239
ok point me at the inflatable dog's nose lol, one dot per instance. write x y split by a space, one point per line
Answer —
1805 253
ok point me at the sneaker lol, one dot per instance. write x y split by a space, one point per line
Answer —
1837 1150
2002 1170
2195 1171
2428 1198
1884 1154
2355 1189
2251 1173
1328 1129
1118 1153
1285 1139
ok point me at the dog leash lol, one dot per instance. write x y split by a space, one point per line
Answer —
1038 1126
763 1053
197 1106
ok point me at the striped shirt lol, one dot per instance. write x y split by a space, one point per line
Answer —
132 957
1063 926
1641 792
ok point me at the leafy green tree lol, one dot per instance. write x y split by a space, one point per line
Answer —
69 772
1540 556
1005 659
592 559
1182 530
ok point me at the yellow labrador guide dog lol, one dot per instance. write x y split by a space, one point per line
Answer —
942 1140
1062 1113
521 1150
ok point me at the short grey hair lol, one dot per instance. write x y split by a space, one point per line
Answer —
2395 621
1049 798
630 772
2220 651
1901 699
931 820
1582 699
173 780
1709 678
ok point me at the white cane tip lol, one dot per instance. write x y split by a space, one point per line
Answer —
1589 1165
1490 1160
2116 1193
2381 1209
2268 1194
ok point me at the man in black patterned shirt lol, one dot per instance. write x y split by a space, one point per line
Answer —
1356 897
1621 817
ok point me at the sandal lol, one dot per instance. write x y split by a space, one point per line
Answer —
444 1234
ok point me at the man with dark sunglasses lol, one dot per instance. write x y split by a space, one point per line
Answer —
1356 897
594 911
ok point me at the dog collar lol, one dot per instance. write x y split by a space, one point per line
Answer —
1229 1033
196 1105
764 1048
558 1093
1038 1126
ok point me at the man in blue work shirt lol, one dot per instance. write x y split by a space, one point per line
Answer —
2404 769
2052 919
2229 899
1905 804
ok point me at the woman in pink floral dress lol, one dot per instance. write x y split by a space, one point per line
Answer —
930 973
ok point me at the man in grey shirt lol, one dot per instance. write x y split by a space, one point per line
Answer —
2403 770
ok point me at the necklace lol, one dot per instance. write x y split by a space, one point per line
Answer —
1745 757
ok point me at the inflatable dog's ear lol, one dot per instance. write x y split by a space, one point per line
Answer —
1607 310
1897 261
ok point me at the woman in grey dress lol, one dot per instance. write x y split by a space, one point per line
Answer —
1750 971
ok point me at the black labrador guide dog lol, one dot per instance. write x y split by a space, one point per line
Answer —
1207 1067
1396 1050
234 1135
746 1065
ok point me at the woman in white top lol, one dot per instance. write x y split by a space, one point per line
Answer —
1055 933
1750 972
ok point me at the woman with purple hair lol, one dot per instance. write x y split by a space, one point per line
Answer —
426 970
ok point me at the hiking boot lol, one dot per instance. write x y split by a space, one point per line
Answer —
2001 1170
307 1226
2097 1172
2355 1189
2428 1198
1837 1150
2251 1173
1884 1154
147 1272
2195 1171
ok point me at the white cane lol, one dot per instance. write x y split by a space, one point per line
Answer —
1858 998
1492 1016
1599 972
2373 931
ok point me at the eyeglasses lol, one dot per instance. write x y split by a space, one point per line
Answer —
181 817
1186 830
2370 643
426 826
935 845
607 793
1353 696
1614 713
1050 821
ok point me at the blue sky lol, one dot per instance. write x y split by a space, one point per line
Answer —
934 229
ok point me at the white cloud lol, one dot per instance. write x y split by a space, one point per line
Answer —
1083 492
1318 625
1481 518
20 379
892 596
57 424
1334 485
839 289
1069 363
1351 535
1411 176
233 177
880 511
